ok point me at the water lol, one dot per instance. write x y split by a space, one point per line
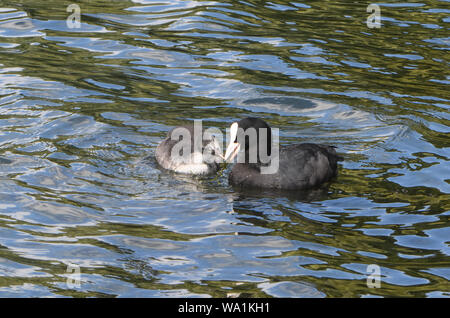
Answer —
82 110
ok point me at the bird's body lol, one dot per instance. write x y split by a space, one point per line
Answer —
301 166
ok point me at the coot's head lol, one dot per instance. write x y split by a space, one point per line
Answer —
185 151
254 137
212 152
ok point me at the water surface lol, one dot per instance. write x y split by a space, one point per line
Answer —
82 110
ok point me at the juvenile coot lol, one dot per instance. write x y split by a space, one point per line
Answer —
179 152
298 166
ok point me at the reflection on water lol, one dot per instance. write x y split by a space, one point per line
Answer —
82 110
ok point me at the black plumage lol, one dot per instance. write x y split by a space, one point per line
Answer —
300 166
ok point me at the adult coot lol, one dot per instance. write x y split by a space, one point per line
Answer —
262 165
188 151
